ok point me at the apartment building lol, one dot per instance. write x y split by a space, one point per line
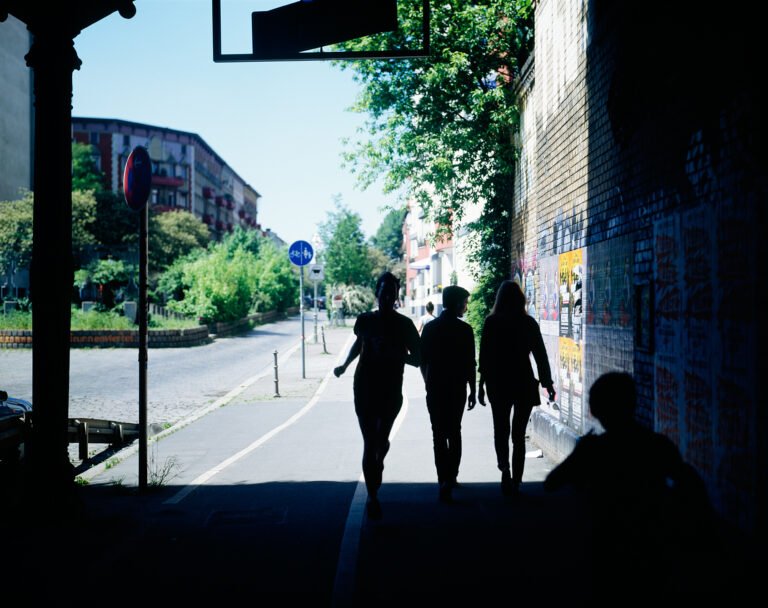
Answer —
186 172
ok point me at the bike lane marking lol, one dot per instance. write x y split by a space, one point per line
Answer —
212 472
346 566
134 448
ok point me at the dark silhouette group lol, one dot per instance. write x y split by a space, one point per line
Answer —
445 353
645 503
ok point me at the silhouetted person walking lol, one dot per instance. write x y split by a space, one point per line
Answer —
651 516
509 337
386 341
427 317
448 366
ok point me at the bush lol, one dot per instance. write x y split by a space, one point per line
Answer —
356 299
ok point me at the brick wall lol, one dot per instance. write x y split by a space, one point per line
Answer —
640 179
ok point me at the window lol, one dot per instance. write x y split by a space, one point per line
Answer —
94 138
126 140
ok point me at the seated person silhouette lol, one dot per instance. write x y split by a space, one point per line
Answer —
649 509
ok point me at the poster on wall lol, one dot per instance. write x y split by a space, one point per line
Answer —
571 379
570 286
608 343
549 303
552 346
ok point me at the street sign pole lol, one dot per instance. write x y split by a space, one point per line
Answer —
301 253
315 282
301 310
137 183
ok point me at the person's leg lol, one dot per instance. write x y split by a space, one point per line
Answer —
519 423
454 435
368 429
439 439
501 408
382 427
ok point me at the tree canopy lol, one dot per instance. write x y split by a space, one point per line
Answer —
345 251
389 236
440 128
172 235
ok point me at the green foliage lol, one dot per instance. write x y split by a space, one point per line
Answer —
16 233
16 228
356 299
389 236
16 319
276 284
440 127
244 273
248 240
443 121
99 320
221 286
83 219
116 224
345 252
85 173
172 235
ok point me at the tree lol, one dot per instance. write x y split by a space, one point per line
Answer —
389 236
345 251
440 127
83 219
85 174
16 228
174 234
15 233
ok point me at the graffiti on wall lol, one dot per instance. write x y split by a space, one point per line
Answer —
608 311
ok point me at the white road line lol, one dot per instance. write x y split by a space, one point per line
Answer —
205 477
346 567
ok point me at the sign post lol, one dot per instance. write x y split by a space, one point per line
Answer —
301 254
137 182
316 275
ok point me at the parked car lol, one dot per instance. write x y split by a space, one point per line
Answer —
14 419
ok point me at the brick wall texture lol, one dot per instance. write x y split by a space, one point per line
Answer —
638 223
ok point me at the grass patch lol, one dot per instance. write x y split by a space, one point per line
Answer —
93 320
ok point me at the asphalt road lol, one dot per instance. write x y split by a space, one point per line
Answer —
104 382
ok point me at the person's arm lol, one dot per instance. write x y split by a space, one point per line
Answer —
471 368
482 355
354 351
542 361
413 344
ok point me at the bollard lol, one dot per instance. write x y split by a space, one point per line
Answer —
277 389
322 331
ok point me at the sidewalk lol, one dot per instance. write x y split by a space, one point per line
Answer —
239 512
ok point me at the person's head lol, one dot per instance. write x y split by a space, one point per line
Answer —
612 400
387 291
455 299
430 307
510 299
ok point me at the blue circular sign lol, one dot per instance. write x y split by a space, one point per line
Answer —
300 253
137 178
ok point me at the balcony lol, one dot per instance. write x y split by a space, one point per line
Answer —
207 192
220 202
219 225
167 180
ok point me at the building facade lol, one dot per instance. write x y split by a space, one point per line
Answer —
187 174
16 110
432 264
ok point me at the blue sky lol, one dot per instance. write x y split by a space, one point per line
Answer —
279 125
